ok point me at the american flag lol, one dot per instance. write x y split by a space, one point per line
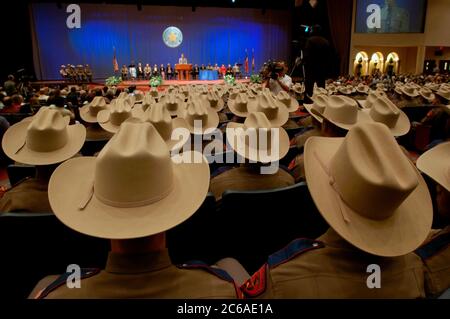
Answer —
253 60
246 61
115 63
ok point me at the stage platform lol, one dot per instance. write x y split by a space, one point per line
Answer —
140 85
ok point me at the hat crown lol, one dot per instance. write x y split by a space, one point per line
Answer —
372 160
320 103
136 153
258 125
341 109
119 112
267 105
212 98
160 117
98 104
47 132
284 97
384 111
196 111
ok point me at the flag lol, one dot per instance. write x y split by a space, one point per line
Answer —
253 60
115 63
246 61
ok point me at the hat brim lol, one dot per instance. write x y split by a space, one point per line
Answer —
103 119
252 154
16 135
362 117
87 116
231 106
398 235
434 163
444 97
411 94
292 106
309 108
280 120
212 124
190 186
401 128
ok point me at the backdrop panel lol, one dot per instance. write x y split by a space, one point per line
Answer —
210 35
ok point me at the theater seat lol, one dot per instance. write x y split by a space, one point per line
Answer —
18 172
253 225
195 239
34 245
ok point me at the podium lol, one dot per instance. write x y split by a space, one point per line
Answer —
184 71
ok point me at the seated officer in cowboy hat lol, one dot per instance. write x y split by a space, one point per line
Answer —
436 252
379 211
45 140
267 146
131 194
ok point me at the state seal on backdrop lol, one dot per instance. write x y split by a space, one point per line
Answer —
172 37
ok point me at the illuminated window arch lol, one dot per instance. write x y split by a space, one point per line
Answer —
376 63
361 63
393 56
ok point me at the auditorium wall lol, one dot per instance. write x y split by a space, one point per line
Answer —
437 33
210 35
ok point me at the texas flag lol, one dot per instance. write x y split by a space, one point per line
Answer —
246 61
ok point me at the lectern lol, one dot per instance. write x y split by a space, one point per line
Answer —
184 71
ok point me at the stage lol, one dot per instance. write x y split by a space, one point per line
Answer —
140 85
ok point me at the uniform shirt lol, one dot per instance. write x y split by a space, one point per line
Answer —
30 195
149 275
331 268
435 255
248 179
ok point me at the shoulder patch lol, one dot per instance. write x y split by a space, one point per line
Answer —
222 274
295 248
256 285
434 246
85 273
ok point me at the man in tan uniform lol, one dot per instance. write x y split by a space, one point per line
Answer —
375 227
250 176
436 252
45 141
139 193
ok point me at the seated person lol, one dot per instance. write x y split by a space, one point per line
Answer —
150 203
124 72
374 228
435 253
12 104
251 176
43 149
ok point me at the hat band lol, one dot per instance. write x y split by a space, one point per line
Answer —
84 203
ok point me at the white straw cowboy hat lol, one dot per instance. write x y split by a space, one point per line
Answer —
444 92
319 105
398 89
385 112
257 140
331 88
289 101
112 118
131 190
44 140
159 116
213 101
362 88
239 106
368 191
371 98
427 94
276 112
319 91
196 112
343 112
88 113
435 163
410 91
298 88
433 86
173 103
346 90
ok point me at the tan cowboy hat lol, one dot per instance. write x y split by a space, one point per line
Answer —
410 91
331 88
289 101
89 112
371 98
385 112
298 88
46 139
173 103
444 92
123 95
368 191
362 88
155 93
213 101
255 139
112 118
275 111
435 163
346 90
239 106
319 91
427 94
433 86
148 102
131 190
161 119
343 112
196 111
398 89
319 105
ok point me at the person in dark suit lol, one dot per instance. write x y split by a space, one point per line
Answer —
195 72
162 71
169 72
140 71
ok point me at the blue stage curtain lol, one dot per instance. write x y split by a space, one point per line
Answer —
211 35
